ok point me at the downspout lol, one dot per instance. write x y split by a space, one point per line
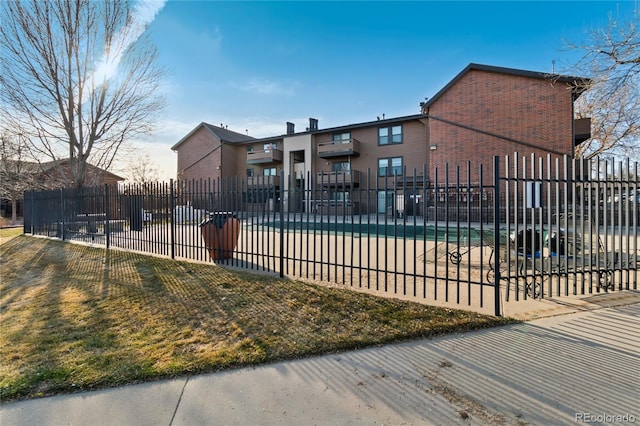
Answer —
425 123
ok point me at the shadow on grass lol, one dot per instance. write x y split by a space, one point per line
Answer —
77 318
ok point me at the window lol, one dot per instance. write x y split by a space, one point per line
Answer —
341 137
249 148
390 166
269 172
250 172
389 135
340 196
341 166
259 195
268 146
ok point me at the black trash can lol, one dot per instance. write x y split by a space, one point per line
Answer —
557 244
528 242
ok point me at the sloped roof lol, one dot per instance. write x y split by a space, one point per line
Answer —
49 165
24 166
344 127
383 122
44 167
578 83
225 135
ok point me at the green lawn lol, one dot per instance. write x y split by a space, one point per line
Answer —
75 317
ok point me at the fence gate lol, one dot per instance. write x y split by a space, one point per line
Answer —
567 227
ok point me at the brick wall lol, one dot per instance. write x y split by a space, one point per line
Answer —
536 112
193 161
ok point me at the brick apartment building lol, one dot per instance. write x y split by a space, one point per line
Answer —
482 112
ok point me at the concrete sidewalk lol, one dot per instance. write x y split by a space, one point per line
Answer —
578 367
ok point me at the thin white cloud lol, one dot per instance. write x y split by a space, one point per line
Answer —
144 12
260 128
267 87
285 49
211 42
158 147
172 130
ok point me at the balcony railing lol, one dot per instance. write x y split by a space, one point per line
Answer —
263 181
347 178
339 148
264 156
333 207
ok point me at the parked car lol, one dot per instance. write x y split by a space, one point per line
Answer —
633 196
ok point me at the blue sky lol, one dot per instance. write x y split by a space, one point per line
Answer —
255 65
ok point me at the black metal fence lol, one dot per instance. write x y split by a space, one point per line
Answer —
556 227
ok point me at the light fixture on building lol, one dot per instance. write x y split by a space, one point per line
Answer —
433 147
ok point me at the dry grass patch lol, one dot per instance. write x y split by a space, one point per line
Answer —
7 234
75 317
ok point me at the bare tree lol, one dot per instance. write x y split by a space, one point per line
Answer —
611 60
80 76
143 170
16 174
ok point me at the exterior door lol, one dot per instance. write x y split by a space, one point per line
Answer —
385 200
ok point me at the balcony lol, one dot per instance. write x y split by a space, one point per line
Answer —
265 156
339 148
582 130
263 182
346 178
335 208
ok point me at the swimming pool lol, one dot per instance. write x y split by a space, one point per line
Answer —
386 230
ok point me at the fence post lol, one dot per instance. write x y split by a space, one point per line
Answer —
172 224
62 218
282 225
496 235
26 212
107 225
